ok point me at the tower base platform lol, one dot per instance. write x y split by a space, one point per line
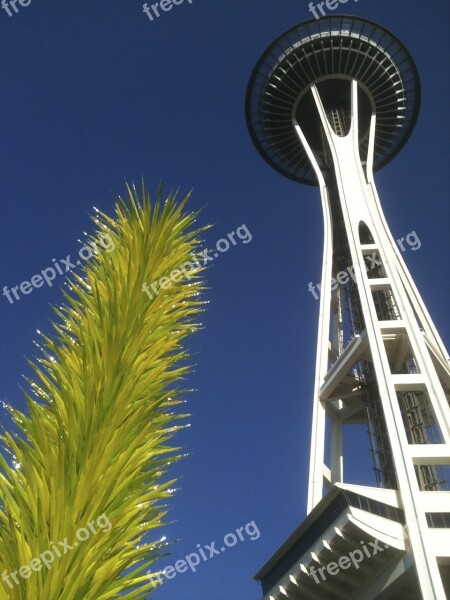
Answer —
352 545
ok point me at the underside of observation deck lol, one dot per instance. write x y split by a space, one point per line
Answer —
362 538
327 52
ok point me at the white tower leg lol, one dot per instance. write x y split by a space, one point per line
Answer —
410 333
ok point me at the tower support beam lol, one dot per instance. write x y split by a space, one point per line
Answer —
328 104
356 199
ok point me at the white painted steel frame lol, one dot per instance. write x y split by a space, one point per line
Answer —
360 203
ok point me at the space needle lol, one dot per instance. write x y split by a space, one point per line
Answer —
329 103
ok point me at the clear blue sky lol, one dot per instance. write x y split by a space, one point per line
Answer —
93 94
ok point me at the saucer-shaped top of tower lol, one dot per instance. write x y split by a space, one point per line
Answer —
326 52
